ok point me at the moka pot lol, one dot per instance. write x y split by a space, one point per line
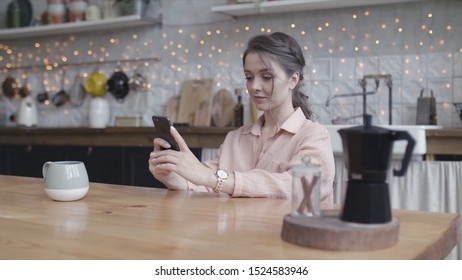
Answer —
367 150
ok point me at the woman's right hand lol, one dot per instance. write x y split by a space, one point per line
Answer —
172 180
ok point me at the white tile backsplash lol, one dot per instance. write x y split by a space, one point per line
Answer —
419 51
442 89
344 69
391 64
367 65
321 69
440 65
457 64
415 67
411 91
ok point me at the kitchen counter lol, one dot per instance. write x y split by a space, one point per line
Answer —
446 141
122 222
195 137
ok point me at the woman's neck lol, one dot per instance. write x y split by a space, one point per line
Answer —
275 118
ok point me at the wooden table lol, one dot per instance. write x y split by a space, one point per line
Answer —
126 222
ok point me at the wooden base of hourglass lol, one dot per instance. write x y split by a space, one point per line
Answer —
328 232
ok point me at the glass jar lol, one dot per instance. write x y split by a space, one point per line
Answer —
77 10
306 189
56 11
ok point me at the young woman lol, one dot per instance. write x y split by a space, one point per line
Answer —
255 160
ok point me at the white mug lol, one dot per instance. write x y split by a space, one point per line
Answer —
65 180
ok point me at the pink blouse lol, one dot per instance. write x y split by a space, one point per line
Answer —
267 173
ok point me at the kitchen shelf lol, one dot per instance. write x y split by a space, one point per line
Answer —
284 6
78 27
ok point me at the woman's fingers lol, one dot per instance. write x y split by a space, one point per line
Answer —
160 143
157 158
179 140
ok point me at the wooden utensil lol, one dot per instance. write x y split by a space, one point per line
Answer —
307 203
24 90
171 110
202 115
222 108
192 97
10 87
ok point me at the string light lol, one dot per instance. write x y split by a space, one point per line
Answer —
175 46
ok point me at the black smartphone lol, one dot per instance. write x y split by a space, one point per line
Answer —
162 125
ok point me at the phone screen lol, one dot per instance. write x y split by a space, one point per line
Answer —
162 125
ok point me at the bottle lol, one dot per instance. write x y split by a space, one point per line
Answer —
13 15
3 112
238 109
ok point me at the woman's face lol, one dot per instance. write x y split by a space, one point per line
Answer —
268 85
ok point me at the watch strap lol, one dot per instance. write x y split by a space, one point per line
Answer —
220 181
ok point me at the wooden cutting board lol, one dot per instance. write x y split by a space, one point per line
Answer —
195 104
223 108
171 111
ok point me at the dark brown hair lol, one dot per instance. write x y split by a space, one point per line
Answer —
284 49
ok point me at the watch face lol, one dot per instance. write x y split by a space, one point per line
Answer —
222 174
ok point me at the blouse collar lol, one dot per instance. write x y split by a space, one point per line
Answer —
291 125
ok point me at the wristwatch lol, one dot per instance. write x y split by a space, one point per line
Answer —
222 176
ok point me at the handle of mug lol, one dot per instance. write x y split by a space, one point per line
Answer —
404 135
45 168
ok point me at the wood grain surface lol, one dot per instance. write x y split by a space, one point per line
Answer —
329 232
195 105
447 141
126 222
223 108
195 137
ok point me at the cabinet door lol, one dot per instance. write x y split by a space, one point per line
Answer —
138 170
3 159
103 164
28 160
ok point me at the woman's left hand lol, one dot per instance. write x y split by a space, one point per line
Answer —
183 163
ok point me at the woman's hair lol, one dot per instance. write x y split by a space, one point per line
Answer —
284 49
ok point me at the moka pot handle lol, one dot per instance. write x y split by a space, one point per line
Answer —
404 135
